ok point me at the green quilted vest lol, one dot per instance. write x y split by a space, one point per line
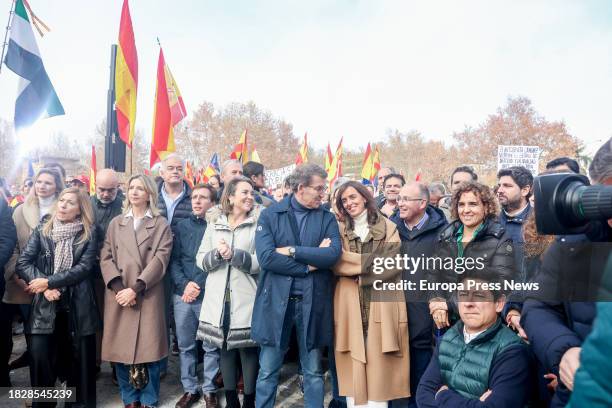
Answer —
465 367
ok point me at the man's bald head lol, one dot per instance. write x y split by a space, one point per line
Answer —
107 185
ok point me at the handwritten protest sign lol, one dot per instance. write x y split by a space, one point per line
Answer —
275 177
526 156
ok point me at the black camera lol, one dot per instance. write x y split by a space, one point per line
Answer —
566 202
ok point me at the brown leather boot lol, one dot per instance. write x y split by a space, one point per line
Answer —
210 400
187 400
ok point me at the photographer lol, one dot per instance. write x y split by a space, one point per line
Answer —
558 328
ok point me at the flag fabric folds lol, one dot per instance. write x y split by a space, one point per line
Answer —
335 169
126 78
212 169
169 110
36 98
328 158
376 165
240 151
189 176
92 172
367 169
255 156
302 156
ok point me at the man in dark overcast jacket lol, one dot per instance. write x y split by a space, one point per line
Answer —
419 226
8 240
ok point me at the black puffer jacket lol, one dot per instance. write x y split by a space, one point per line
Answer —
181 211
36 261
491 244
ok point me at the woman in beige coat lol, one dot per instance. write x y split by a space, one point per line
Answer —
227 254
371 325
47 186
134 259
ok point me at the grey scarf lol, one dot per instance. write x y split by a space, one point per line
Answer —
63 235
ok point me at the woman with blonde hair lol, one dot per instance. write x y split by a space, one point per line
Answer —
227 254
47 186
133 261
57 264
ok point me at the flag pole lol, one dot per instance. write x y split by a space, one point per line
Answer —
8 27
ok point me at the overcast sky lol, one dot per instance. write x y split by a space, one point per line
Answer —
347 68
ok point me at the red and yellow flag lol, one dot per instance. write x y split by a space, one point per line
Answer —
335 170
255 156
189 177
240 151
376 165
302 156
92 172
126 78
169 110
367 170
328 158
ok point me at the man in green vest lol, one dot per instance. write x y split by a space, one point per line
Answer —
479 361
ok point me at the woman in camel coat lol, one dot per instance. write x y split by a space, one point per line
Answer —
133 261
371 326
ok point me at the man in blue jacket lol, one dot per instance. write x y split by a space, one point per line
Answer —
419 226
479 362
297 244
188 280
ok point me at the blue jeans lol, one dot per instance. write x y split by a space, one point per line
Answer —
271 361
149 395
419 360
187 319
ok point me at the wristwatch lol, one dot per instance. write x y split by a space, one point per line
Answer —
292 252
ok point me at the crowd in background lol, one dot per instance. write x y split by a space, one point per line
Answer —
224 272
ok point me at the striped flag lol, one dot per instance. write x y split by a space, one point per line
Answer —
92 172
367 169
335 170
169 110
302 156
376 165
126 78
189 177
240 151
212 169
328 158
36 98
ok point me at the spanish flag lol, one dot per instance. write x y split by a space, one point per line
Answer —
126 78
240 151
189 174
367 169
376 165
255 156
328 158
169 110
212 169
335 170
302 156
92 172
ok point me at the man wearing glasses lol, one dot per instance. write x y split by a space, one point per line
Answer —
107 204
419 225
297 244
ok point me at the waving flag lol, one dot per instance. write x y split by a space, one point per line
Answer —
255 156
328 158
376 165
367 169
92 172
240 151
126 77
335 170
169 110
37 98
302 156
189 174
212 169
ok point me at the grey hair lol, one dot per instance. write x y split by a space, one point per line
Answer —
228 162
303 174
437 187
337 183
173 156
601 166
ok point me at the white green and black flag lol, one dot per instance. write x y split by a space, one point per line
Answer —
36 98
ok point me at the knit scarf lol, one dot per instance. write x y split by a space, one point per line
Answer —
63 235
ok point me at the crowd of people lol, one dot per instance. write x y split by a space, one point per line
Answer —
225 272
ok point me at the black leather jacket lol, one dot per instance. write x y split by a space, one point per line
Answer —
75 285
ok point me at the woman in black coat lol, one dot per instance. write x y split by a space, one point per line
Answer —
478 238
57 265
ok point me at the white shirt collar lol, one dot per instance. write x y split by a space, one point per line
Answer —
130 214
467 337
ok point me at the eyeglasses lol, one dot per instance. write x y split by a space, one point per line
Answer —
406 199
319 189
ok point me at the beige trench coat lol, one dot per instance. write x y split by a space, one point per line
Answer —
136 334
379 369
